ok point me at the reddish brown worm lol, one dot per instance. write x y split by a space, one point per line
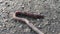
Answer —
28 14
27 22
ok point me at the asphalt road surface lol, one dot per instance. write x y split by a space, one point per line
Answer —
49 8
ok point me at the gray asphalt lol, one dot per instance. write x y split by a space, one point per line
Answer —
49 8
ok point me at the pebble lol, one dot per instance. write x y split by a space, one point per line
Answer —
22 7
20 26
58 33
54 17
53 31
37 19
13 31
39 26
27 30
1 0
5 20
0 26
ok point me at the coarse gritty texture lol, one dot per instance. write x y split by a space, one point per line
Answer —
49 25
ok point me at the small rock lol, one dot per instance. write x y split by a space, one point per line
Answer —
22 7
0 26
37 19
39 26
13 31
58 33
53 31
27 30
5 20
55 17
1 0
20 26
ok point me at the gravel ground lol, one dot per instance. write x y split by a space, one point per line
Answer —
49 8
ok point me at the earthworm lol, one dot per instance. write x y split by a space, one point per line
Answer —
27 22
28 14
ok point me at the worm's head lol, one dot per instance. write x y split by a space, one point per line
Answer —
16 13
19 18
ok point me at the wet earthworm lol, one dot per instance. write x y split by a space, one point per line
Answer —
27 22
28 14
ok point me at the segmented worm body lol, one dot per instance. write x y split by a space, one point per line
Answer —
27 22
28 14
